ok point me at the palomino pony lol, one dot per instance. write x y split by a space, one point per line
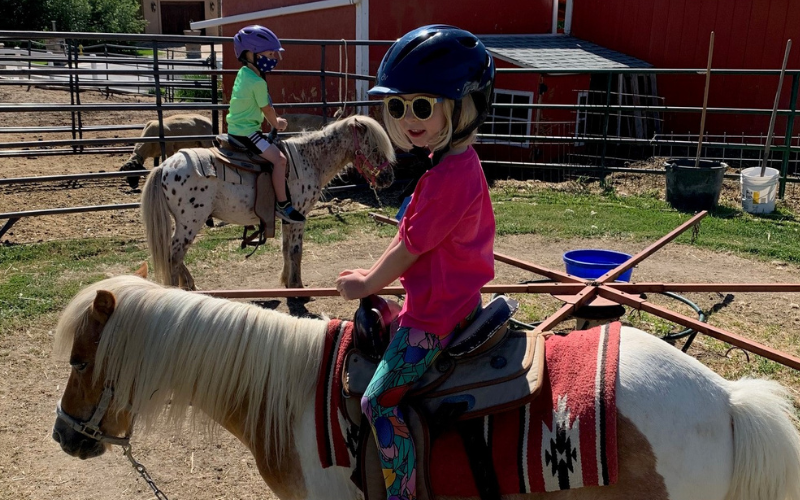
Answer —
189 187
175 125
140 350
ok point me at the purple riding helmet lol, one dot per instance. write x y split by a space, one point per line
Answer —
257 39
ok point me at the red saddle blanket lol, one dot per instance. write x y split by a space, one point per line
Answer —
565 439
334 434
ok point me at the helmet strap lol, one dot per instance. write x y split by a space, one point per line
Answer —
477 122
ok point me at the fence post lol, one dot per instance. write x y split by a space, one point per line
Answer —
72 101
787 141
214 89
323 90
73 49
605 126
108 78
159 108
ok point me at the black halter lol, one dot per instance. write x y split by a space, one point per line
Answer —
91 429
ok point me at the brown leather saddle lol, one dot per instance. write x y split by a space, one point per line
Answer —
488 368
235 155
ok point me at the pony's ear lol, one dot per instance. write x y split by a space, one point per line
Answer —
142 271
103 305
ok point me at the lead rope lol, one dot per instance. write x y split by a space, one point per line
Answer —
126 450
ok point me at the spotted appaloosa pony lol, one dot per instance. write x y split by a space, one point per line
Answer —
189 188
193 124
142 349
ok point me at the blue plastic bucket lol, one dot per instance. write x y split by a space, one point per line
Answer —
591 263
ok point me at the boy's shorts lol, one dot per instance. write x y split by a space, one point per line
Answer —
256 142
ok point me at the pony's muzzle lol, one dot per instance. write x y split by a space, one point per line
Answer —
75 444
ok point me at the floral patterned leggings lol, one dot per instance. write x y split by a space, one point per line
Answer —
410 353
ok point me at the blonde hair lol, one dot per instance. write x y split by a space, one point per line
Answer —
468 114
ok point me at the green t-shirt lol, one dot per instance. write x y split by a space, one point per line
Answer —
250 94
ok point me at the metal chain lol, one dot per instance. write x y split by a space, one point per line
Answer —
695 232
377 197
143 472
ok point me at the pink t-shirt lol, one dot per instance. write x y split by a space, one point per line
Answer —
450 225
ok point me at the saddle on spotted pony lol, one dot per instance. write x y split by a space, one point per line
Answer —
487 369
235 155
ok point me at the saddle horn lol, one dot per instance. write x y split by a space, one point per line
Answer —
375 324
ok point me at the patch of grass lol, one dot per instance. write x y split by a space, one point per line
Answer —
148 53
584 215
530 312
38 279
651 323
203 93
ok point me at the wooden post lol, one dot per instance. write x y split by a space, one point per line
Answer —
705 101
775 109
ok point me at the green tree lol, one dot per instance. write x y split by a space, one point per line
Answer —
96 16
116 16
69 15
22 16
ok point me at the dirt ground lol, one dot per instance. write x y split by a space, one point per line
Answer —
188 465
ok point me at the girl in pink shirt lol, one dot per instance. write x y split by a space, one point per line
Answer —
437 85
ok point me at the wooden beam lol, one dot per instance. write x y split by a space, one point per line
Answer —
549 288
704 287
617 271
712 331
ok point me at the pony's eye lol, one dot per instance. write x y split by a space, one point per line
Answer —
79 367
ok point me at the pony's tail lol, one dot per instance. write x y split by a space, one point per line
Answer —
766 444
157 226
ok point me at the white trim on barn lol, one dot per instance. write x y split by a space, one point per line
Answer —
362 51
568 18
509 121
279 11
362 29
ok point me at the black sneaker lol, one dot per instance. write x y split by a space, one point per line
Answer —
288 213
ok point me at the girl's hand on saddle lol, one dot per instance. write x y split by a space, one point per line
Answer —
282 124
352 284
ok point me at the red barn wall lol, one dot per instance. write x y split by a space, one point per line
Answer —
388 21
749 34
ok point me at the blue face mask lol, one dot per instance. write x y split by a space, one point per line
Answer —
265 64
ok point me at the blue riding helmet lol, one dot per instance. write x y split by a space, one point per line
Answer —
256 39
440 60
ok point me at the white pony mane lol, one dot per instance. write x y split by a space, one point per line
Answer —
375 134
170 349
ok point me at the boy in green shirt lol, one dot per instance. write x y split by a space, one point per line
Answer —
259 50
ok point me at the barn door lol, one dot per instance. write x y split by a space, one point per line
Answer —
176 16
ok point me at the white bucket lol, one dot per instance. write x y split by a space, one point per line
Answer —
758 193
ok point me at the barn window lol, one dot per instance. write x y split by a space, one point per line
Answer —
509 121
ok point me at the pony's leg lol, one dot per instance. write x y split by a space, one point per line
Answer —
292 239
185 278
185 232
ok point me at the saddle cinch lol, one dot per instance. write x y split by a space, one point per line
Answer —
489 368
234 154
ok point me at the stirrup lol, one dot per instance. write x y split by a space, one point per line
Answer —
250 240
